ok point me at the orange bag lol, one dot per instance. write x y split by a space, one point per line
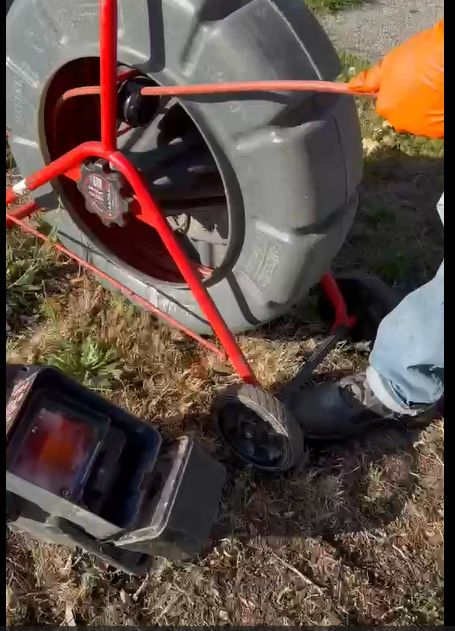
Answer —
409 83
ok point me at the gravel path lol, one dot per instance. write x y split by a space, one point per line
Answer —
378 25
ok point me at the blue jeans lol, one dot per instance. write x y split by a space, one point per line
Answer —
408 354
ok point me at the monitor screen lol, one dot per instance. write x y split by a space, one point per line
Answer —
55 452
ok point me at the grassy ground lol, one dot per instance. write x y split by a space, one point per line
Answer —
354 536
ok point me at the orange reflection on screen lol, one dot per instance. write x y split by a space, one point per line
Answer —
54 452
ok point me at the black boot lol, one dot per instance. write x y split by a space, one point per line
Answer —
333 411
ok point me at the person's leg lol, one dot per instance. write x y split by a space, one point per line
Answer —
405 376
406 371
407 363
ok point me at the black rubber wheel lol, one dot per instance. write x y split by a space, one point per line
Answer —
261 188
258 428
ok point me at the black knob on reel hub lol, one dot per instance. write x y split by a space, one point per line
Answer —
135 109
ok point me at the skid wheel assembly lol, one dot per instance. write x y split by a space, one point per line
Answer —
211 201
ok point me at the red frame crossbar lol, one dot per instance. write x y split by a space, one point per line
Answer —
107 149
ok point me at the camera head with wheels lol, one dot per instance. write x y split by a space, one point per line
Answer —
82 472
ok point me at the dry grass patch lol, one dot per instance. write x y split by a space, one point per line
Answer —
353 536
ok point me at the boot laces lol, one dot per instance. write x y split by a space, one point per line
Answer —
355 390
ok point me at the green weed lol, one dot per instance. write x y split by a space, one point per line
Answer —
92 363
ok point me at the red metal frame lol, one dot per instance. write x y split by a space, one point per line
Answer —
335 297
107 149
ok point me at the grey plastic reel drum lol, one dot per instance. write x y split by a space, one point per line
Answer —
260 188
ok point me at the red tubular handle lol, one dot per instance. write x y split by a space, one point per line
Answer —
108 73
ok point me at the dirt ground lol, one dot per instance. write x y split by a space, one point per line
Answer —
354 536
372 27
